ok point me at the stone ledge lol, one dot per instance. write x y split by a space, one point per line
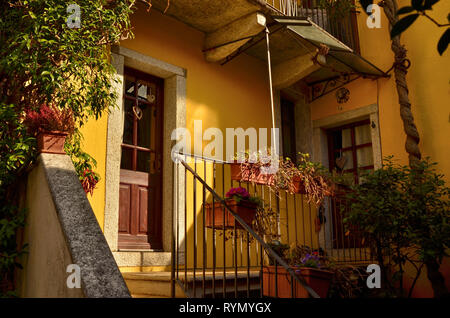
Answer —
145 63
87 245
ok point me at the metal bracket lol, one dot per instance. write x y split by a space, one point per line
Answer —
257 38
321 88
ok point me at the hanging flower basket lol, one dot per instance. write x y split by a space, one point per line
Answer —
235 171
293 185
319 280
250 173
298 185
51 141
240 202
214 215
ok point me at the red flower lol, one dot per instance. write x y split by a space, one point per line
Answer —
89 181
50 118
240 191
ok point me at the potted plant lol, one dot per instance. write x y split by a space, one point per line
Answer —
279 248
51 125
240 202
313 178
307 177
245 171
235 168
310 264
247 168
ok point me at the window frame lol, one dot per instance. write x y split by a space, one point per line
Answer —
353 148
134 147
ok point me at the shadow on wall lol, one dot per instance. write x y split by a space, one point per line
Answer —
62 230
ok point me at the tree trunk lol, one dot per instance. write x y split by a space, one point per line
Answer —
400 70
412 135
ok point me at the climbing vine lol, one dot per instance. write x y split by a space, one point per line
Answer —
50 54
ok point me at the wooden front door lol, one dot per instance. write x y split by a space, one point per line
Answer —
141 165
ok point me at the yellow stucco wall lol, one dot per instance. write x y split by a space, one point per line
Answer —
94 143
233 95
429 86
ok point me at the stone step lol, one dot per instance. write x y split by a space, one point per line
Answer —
151 284
147 296
157 284
239 284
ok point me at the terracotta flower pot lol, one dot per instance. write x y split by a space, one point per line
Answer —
318 279
51 141
235 171
246 210
299 186
254 176
265 179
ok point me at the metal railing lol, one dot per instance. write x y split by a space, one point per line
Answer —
344 28
211 260
242 254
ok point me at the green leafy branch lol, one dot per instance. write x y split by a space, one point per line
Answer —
44 61
420 7
83 162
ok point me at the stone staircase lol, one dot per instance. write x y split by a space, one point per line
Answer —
157 284
151 285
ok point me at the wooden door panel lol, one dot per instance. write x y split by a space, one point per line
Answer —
133 217
128 241
143 210
133 210
124 208
134 177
